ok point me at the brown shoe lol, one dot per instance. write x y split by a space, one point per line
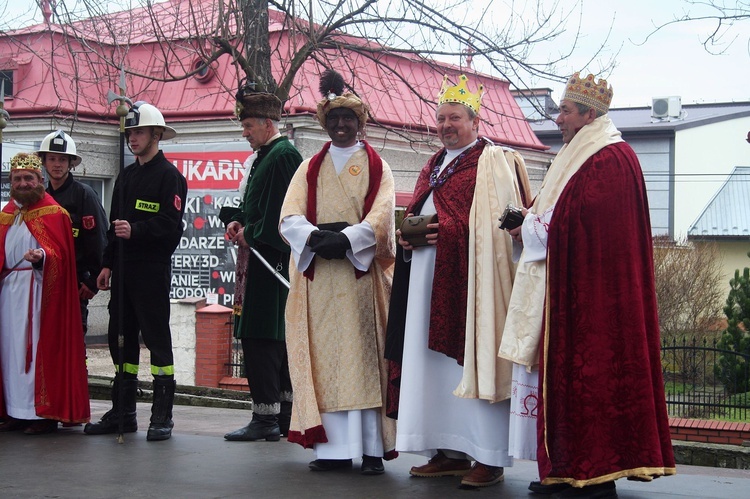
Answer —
482 475
41 426
441 465
13 424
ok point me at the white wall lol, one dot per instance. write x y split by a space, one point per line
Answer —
735 257
182 322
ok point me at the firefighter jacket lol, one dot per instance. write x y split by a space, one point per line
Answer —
151 197
89 227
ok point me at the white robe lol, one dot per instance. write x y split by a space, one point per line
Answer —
19 385
431 417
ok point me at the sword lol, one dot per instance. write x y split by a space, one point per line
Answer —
5 273
274 271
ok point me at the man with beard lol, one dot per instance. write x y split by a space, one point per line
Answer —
145 227
43 376
338 218
450 390
260 298
59 157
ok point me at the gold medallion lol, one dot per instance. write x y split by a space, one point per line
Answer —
355 170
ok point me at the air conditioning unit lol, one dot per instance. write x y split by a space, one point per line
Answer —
666 107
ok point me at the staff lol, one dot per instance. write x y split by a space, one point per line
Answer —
4 117
122 112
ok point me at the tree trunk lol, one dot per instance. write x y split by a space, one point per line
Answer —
257 47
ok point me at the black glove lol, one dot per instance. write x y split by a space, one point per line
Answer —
329 245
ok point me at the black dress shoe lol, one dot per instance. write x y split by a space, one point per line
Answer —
330 464
604 490
13 424
253 432
538 488
372 465
41 426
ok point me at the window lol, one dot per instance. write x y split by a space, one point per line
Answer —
96 184
7 77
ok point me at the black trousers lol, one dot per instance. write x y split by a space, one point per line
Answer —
145 309
267 372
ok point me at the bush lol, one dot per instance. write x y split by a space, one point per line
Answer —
688 288
733 370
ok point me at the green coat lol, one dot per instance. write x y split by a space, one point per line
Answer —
265 297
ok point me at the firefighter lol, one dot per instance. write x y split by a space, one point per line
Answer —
148 202
59 157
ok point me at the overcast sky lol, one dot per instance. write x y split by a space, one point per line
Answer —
672 62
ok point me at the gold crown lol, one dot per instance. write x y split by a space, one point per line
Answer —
460 94
597 95
26 161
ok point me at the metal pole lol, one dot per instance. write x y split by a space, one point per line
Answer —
122 112
4 118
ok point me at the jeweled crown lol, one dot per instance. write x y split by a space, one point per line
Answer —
460 94
597 95
26 161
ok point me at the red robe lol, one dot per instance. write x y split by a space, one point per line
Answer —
447 333
603 412
61 387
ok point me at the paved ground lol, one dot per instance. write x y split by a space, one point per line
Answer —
198 463
99 362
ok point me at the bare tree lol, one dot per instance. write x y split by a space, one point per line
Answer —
723 18
495 39
688 288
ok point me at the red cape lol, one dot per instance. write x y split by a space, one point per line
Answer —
603 412
447 330
61 377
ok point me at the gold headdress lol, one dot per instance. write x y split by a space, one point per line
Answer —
332 88
597 95
460 94
26 161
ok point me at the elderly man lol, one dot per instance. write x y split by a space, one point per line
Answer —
584 309
43 376
259 298
338 219
449 301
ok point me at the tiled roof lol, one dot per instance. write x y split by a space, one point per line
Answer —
387 81
728 213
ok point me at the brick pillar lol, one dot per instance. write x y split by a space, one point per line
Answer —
213 345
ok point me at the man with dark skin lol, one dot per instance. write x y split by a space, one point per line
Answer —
338 218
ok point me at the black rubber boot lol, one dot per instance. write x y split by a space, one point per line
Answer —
261 427
161 409
110 421
285 418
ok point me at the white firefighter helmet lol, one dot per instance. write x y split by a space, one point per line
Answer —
61 143
143 114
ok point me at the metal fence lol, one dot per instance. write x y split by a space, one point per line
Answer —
704 381
236 366
697 380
